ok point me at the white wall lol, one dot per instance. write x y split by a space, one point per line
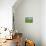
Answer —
28 8
43 22
6 13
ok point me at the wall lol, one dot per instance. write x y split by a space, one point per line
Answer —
43 22
30 8
6 13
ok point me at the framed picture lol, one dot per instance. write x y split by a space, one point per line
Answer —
28 19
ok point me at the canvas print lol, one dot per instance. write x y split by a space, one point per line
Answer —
28 19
